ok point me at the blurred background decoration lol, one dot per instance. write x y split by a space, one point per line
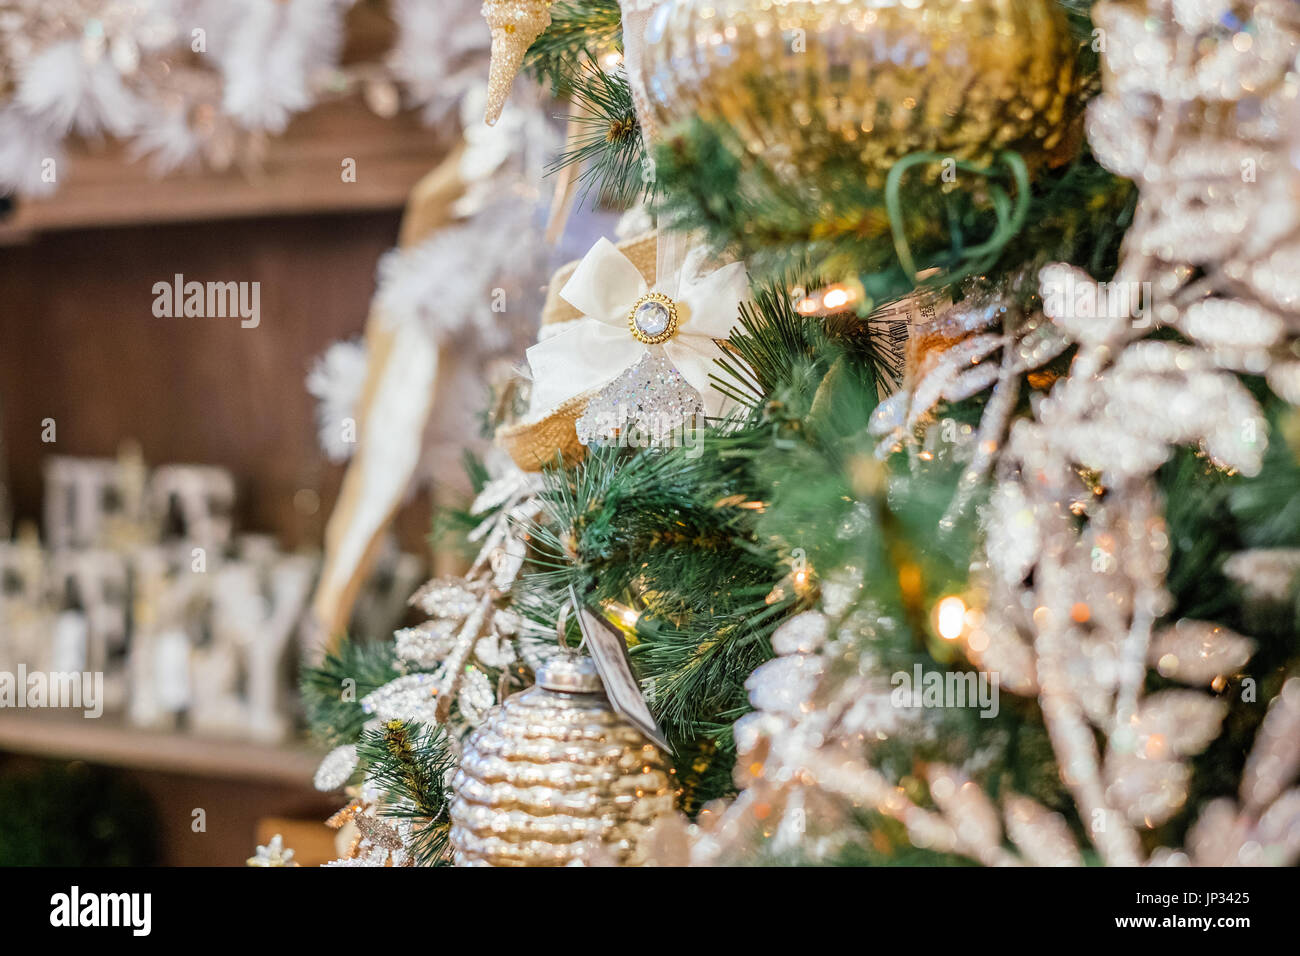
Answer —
198 506
143 581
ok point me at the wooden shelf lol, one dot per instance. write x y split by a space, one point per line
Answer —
108 740
301 173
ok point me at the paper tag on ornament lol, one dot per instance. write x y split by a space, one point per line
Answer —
608 649
892 328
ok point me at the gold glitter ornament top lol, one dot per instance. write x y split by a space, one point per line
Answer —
880 78
515 24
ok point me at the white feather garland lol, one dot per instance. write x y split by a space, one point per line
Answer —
143 72
336 381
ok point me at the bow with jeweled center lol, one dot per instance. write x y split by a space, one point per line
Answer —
623 319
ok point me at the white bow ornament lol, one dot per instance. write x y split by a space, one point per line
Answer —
624 320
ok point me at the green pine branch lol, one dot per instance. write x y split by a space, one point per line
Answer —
571 56
332 690
607 147
580 29
835 222
701 539
411 763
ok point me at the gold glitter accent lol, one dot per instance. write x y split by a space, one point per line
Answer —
515 24
799 78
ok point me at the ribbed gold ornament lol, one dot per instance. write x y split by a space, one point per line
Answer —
964 78
555 774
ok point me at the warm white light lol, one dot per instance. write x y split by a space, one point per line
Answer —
801 579
623 614
950 617
836 297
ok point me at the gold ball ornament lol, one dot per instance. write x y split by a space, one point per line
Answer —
882 78
515 24
555 775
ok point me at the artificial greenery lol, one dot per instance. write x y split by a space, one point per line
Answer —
579 58
885 235
605 142
332 690
746 521
579 30
715 542
411 765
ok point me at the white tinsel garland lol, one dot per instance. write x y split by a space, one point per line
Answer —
439 53
336 381
269 55
185 80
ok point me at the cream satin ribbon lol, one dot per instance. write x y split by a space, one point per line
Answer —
597 348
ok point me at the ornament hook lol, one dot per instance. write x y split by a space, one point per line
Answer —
562 628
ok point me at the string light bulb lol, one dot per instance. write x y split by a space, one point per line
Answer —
833 299
626 616
950 617
802 578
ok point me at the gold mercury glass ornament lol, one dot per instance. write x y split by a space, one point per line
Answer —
555 776
882 78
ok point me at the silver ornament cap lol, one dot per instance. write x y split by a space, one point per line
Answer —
570 674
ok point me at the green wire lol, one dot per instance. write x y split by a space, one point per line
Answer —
1009 222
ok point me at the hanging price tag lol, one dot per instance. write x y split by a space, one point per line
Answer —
893 327
608 649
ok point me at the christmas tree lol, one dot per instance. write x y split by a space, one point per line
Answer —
936 459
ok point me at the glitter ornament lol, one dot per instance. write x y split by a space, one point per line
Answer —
555 776
639 353
646 406
794 79
410 698
274 854
515 24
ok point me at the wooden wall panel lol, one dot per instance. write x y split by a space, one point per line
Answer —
79 343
